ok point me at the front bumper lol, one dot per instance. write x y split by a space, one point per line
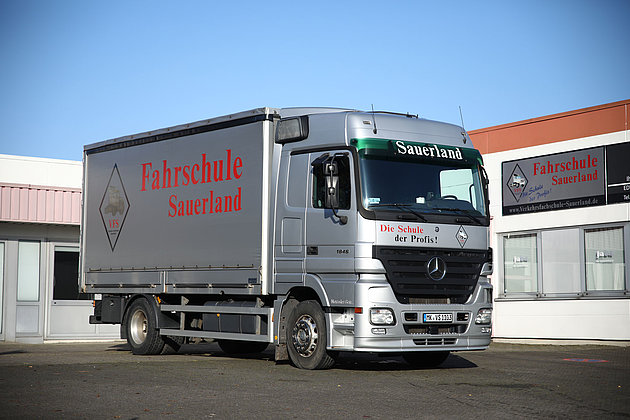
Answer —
410 333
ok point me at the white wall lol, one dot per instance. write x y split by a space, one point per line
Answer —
44 318
563 319
605 319
40 171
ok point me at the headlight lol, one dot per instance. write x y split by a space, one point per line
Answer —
484 316
382 316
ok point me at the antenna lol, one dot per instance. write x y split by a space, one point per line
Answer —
374 120
461 116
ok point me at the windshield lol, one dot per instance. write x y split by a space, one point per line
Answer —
422 179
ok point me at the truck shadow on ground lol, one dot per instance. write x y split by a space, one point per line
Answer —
13 352
369 362
345 361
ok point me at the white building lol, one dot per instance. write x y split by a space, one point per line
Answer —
40 213
560 231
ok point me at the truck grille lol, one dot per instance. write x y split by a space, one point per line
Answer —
435 341
407 272
435 329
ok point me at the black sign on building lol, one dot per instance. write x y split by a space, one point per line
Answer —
554 182
579 178
618 170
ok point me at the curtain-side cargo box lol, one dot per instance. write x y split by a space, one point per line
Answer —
179 208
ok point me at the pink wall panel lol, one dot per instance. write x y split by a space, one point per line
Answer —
67 206
50 206
23 207
5 203
15 203
76 208
58 206
32 204
39 204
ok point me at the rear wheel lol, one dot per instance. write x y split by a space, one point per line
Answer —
242 347
306 337
142 333
172 344
426 359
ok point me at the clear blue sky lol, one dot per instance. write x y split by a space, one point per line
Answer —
77 72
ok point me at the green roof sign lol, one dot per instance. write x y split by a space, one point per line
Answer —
408 149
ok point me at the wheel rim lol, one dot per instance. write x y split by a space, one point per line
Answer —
305 335
138 327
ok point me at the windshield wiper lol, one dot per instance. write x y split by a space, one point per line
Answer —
461 211
401 206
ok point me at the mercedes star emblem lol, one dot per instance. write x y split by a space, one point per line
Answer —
436 268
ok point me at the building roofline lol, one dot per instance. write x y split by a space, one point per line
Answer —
552 116
580 123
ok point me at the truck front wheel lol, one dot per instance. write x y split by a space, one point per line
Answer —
142 333
306 337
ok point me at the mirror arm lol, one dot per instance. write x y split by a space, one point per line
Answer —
342 219
331 190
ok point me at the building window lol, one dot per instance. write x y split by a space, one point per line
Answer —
520 264
565 263
28 272
561 262
605 259
66 275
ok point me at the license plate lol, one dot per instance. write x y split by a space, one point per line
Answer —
437 318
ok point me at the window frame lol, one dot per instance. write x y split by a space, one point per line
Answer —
538 266
81 297
625 242
24 283
584 293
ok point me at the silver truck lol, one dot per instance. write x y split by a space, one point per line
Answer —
317 230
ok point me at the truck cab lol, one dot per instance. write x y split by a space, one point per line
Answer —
385 217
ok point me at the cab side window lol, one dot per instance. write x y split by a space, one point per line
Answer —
319 184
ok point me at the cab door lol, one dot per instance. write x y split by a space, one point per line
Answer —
289 239
330 237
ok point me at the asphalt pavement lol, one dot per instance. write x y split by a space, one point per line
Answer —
105 381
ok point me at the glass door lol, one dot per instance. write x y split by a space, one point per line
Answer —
68 309
1 290
28 314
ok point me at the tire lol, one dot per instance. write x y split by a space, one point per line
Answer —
142 333
426 359
242 347
172 344
306 337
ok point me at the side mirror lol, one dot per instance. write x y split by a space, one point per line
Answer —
486 183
